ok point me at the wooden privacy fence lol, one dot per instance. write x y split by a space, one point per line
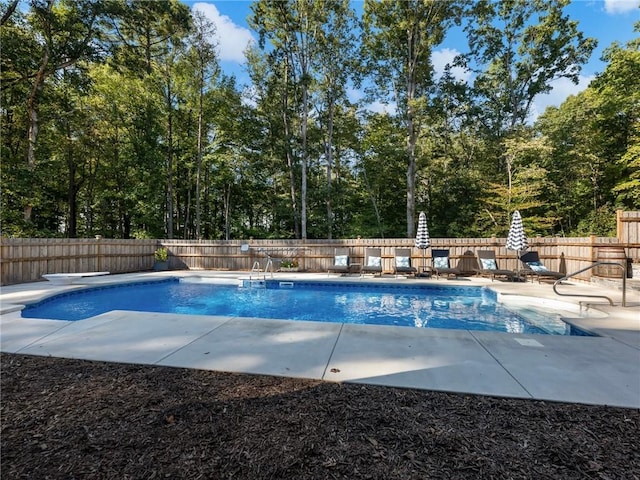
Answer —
628 232
317 255
26 260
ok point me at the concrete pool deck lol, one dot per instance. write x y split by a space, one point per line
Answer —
602 370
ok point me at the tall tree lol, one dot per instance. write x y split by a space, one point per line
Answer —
275 80
140 31
202 58
594 136
228 166
381 174
64 32
273 111
127 123
71 139
581 169
144 39
335 64
517 48
618 89
526 189
295 30
399 38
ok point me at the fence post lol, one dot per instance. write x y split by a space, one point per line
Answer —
594 253
98 254
619 226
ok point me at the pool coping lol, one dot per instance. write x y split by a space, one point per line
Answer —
601 370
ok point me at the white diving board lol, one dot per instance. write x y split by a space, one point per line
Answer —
68 278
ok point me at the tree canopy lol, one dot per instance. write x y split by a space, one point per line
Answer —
118 120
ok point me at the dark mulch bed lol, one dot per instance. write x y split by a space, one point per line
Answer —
65 419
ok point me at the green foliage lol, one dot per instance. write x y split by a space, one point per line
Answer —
141 32
600 222
139 134
594 137
628 189
517 48
618 87
398 43
161 254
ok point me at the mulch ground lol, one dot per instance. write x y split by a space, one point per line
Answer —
68 419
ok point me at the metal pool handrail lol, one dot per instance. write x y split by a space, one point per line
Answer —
267 268
616 264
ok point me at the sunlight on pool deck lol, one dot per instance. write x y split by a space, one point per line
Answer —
602 370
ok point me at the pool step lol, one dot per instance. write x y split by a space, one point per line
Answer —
254 284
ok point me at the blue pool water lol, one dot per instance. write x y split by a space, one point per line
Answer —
422 306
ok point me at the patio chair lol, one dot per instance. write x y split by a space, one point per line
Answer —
534 268
442 264
488 266
402 262
341 261
372 261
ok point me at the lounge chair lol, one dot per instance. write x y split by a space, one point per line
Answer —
488 266
534 268
372 261
441 263
341 261
402 262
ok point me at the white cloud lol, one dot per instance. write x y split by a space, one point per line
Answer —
444 57
562 88
613 7
232 39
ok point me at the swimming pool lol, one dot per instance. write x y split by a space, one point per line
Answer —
420 306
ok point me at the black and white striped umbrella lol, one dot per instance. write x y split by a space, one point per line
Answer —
422 237
516 240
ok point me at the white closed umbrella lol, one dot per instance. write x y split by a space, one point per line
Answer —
422 236
516 240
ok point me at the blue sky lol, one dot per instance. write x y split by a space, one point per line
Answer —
605 20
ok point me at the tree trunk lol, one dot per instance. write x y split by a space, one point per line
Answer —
411 172
32 133
72 189
303 193
187 211
72 199
199 158
10 9
413 45
287 136
169 166
328 151
227 209
374 203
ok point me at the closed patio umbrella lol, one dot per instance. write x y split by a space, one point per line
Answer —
516 240
422 236
563 264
